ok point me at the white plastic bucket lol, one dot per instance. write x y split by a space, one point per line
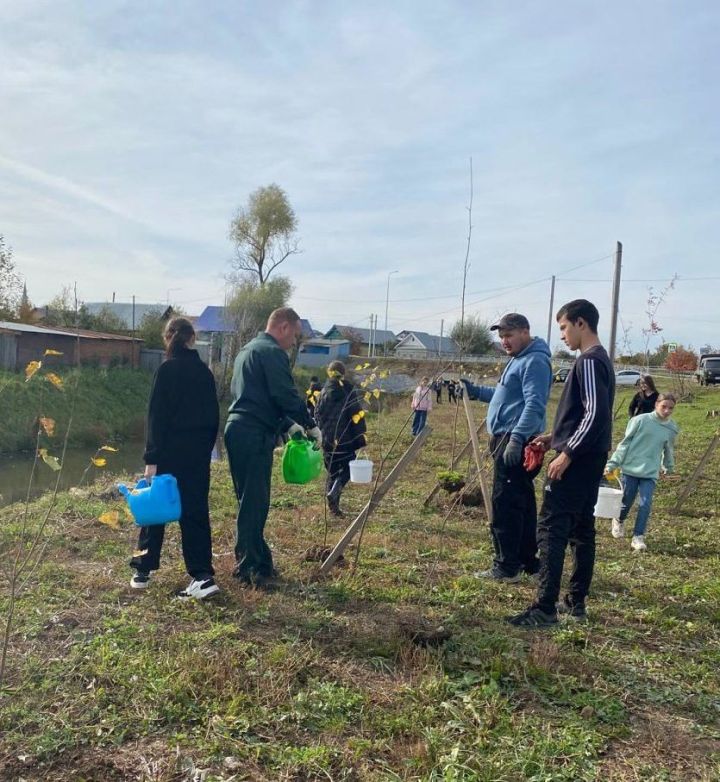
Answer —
609 503
361 470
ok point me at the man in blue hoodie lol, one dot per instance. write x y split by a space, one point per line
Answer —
515 416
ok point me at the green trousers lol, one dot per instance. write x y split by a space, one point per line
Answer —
250 454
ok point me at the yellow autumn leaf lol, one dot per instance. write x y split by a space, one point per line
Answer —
358 367
48 425
376 393
49 352
56 380
383 374
368 396
52 461
358 417
128 515
366 365
111 518
31 369
98 461
108 448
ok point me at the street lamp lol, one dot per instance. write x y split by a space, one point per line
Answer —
387 302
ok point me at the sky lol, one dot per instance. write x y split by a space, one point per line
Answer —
130 134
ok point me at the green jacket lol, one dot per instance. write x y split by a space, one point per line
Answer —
647 445
262 387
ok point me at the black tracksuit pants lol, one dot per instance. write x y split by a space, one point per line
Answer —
514 513
566 516
193 478
250 455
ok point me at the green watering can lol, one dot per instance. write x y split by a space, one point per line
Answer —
301 462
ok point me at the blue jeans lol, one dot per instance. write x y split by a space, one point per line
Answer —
633 486
419 421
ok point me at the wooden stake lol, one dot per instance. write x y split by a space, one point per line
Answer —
380 491
464 452
487 499
696 473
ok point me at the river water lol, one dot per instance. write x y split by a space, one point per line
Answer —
15 470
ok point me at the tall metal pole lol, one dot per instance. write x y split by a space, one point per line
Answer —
552 307
442 324
387 302
370 341
615 301
133 332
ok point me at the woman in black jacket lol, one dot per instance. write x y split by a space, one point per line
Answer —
644 400
182 425
341 419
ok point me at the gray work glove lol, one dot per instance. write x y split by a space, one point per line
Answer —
315 434
513 452
295 429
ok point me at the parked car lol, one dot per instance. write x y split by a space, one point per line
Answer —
561 375
627 377
708 372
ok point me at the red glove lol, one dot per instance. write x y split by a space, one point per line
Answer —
534 456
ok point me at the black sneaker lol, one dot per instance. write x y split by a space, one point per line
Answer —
497 575
568 610
533 618
140 580
199 590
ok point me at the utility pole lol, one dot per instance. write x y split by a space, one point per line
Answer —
615 301
442 324
552 306
370 341
387 302
133 332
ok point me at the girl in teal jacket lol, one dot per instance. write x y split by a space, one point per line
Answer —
645 451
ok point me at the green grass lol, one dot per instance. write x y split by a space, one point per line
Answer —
110 403
320 679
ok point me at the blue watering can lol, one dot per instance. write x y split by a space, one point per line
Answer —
154 503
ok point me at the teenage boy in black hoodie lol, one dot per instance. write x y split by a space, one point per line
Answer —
341 419
581 437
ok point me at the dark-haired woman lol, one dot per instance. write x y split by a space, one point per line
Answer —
644 400
182 425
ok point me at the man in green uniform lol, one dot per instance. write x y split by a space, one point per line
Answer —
265 403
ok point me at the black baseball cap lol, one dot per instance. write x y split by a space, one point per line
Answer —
513 320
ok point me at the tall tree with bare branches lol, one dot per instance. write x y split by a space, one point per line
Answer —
264 233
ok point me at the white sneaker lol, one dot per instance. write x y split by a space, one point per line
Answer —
638 543
140 580
618 528
199 590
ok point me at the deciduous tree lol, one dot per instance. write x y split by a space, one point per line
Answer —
263 233
9 282
473 336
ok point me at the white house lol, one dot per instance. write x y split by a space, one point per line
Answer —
419 344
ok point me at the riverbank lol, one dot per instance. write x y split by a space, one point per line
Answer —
342 678
110 404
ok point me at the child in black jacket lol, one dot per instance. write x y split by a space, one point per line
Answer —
341 419
182 425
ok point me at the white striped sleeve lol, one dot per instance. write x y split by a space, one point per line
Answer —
589 400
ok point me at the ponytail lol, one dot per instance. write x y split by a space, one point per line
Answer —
179 333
